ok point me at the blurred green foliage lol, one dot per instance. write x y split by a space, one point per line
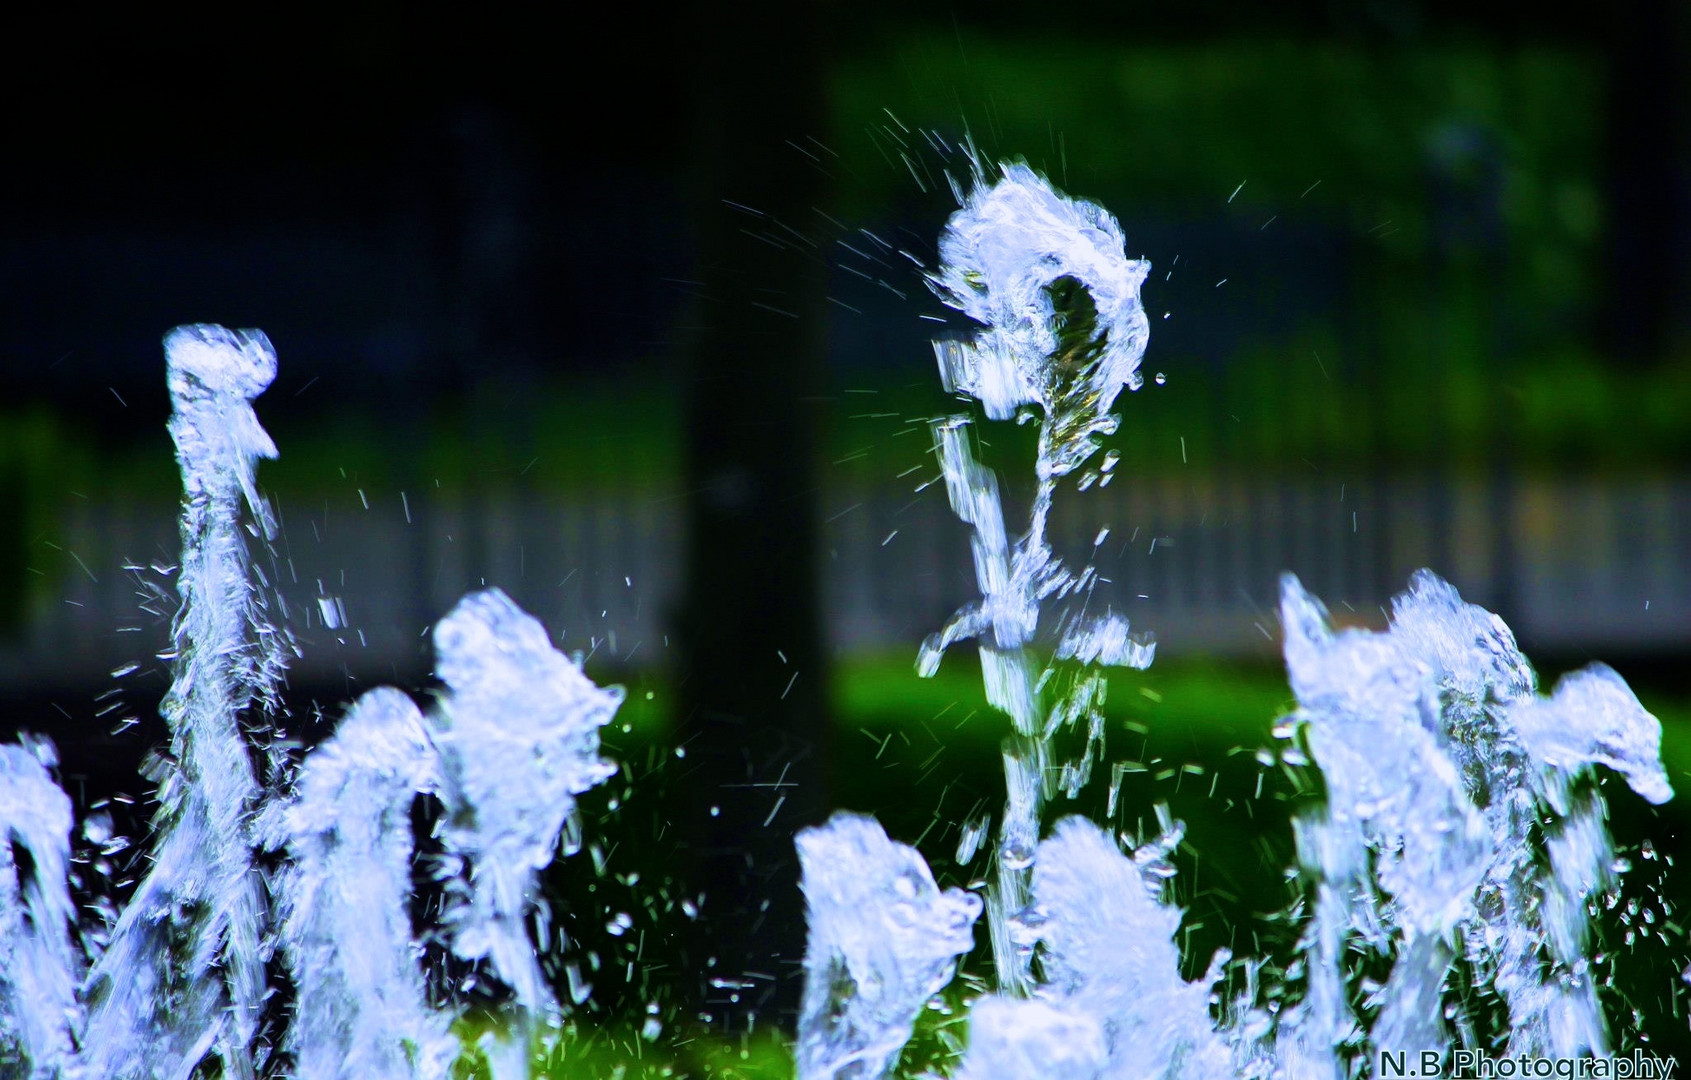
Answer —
1457 350
1176 127
1464 176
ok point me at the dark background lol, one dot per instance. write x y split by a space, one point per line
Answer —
610 273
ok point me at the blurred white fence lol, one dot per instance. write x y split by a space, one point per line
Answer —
1575 566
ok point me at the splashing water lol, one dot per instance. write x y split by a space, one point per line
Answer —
39 969
1062 332
345 925
883 939
1462 831
1109 960
1047 278
519 739
1443 767
182 978
1460 808
506 752
1462 823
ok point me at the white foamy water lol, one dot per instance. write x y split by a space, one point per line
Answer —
883 939
1111 1002
182 985
39 965
1108 949
518 735
1031 1039
1459 808
1000 254
345 923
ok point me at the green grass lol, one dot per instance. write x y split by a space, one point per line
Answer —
1224 700
1675 715
614 1052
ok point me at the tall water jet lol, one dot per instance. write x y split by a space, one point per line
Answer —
1061 335
183 974
1391 792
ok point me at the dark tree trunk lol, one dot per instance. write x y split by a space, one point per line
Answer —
753 678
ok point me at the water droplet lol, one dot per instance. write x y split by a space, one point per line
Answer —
1161 378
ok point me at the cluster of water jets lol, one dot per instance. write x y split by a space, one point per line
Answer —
252 855
1461 826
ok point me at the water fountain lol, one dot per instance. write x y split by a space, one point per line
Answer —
1050 282
1461 826
180 979
1461 831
